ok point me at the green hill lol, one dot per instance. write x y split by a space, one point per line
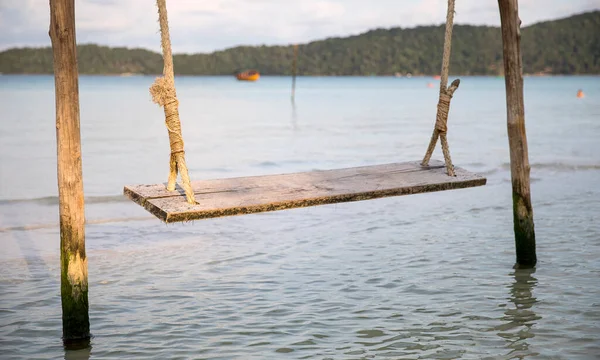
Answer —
565 46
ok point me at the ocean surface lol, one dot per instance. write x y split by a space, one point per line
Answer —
426 276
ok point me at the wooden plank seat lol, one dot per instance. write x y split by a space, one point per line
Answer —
254 194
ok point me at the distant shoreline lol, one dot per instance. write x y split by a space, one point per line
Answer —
559 47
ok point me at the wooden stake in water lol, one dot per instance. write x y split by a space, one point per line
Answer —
73 261
517 137
294 66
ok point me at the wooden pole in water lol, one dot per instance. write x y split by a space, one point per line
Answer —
517 137
294 66
73 261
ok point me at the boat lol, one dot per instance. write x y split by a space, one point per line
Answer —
248 75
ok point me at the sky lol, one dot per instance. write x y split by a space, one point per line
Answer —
208 25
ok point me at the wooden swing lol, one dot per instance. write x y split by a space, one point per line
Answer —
245 195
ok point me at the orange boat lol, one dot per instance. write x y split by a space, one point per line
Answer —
248 75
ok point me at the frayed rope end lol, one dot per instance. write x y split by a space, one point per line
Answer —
162 91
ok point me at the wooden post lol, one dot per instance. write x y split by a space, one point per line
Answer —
294 65
517 137
73 261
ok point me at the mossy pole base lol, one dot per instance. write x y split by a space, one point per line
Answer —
73 261
517 137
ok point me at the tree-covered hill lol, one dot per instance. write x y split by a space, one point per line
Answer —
564 46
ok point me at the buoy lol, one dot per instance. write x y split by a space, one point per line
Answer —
429 85
580 93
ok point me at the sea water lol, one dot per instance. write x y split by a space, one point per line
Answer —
427 276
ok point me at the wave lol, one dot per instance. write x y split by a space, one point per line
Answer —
547 166
53 200
541 166
282 163
87 222
557 166
561 166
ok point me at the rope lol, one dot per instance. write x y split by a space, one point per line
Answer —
163 93
443 107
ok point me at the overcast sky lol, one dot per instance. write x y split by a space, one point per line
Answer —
207 25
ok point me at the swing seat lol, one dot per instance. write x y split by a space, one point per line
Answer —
255 194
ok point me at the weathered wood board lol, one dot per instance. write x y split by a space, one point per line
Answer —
254 194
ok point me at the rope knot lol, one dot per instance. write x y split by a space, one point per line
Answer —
443 108
163 91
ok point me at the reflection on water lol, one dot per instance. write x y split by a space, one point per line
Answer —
294 116
520 317
81 352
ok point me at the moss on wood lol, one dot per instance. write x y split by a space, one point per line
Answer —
74 289
524 233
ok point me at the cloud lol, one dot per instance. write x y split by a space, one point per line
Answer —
207 25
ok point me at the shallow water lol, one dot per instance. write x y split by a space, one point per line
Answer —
414 277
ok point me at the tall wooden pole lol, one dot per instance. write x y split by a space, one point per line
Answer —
73 261
517 137
294 66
